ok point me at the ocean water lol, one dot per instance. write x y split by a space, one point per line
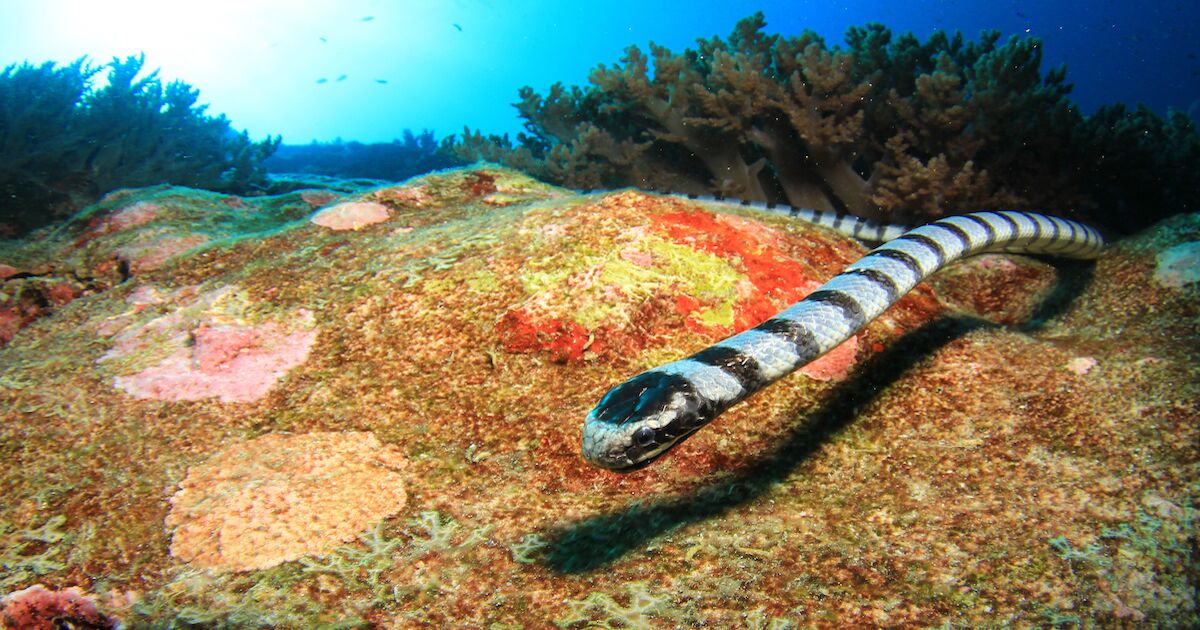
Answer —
304 323
315 73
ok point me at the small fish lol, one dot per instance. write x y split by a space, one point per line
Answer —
323 40
368 18
456 25
322 80
381 81
341 78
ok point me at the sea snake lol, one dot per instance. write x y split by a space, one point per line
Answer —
641 419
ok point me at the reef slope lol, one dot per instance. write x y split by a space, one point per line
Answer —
365 409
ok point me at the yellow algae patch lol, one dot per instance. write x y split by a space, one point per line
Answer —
597 283
279 497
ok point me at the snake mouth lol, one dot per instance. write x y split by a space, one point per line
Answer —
638 465
635 466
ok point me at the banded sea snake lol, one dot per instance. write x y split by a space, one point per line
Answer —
643 418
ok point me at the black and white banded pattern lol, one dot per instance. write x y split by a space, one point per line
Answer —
641 419
844 224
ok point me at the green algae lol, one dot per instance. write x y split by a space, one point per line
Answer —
601 610
1138 560
295 594
32 552
193 598
529 549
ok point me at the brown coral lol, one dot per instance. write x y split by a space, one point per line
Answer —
279 497
886 128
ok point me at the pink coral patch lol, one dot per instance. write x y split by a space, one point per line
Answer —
835 364
133 215
1081 365
637 257
152 254
232 363
38 608
352 215
417 196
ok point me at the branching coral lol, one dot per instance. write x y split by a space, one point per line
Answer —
63 143
886 127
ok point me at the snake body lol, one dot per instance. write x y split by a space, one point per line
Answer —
641 419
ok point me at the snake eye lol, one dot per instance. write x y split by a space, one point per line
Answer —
644 436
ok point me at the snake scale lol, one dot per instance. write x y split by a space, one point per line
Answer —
644 417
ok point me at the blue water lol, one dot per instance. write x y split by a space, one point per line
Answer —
366 70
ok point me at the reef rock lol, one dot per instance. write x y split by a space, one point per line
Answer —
218 409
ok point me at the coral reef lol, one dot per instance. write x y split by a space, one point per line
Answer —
276 498
407 156
64 143
885 127
121 238
1014 443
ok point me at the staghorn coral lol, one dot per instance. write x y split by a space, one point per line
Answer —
887 127
278 497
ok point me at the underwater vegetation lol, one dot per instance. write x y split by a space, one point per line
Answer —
1014 444
412 154
885 127
65 143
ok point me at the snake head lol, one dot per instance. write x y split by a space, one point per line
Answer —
641 419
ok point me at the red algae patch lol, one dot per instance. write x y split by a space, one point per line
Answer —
629 264
280 497
352 215
775 279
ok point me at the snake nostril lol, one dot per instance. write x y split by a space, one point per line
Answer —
644 436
